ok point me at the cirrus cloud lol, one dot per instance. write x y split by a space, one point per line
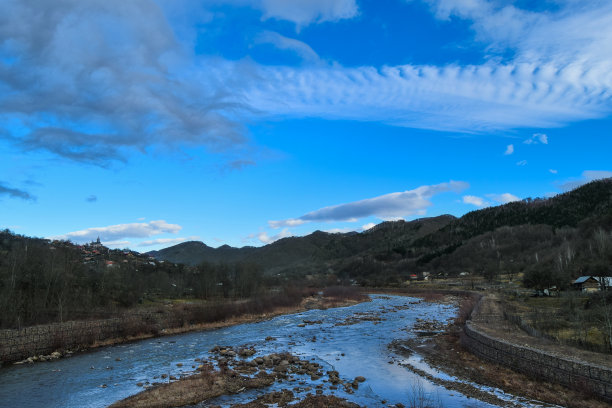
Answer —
304 12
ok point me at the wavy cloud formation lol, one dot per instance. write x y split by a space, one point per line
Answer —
451 98
560 72
97 80
388 206
120 231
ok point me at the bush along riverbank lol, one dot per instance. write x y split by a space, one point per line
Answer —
52 341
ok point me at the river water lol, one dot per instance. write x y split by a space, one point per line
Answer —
103 376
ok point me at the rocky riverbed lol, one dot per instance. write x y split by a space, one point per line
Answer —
316 356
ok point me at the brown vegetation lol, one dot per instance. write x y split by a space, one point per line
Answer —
207 384
230 378
162 320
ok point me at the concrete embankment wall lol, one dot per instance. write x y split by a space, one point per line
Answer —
17 345
572 373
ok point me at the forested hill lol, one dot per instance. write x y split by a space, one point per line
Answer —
591 201
526 232
304 253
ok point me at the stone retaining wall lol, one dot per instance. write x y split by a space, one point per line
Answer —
569 372
17 345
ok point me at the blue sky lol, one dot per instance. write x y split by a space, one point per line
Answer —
239 122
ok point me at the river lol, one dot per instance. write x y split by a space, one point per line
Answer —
101 377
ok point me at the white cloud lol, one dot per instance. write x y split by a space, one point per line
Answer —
162 241
368 226
553 171
596 174
116 244
537 138
119 231
474 200
504 198
387 207
340 230
304 12
267 239
290 44
509 150
587 176
571 33
521 163
292 222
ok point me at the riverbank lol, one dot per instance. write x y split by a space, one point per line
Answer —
445 352
50 342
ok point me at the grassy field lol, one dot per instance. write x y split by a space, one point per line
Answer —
573 318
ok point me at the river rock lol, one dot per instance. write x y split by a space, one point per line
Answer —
360 378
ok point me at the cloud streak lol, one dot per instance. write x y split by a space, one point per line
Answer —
388 206
281 42
121 231
305 12
15 193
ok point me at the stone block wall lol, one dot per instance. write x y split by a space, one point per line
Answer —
540 364
17 345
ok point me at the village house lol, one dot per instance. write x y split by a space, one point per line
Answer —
592 283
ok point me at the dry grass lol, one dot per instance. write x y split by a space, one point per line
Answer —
344 293
194 389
